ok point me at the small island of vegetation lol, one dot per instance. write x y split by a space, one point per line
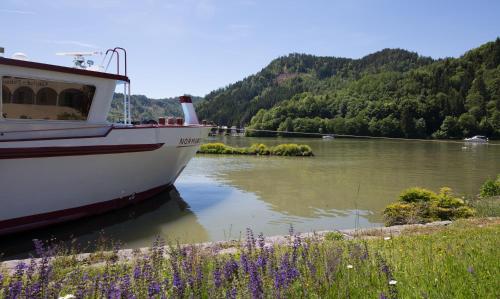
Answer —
257 149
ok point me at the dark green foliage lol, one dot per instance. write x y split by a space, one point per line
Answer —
392 93
490 188
418 205
257 149
145 109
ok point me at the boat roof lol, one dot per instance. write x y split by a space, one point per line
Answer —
61 69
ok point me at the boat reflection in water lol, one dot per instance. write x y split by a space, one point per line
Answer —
134 226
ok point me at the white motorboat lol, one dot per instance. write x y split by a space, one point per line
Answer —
477 139
60 159
328 137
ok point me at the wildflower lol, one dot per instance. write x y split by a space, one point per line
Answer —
255 284
350 266
178 284
244 262
217 277
154 288
137 272
230 269
231 294
261 241
382 296
392 282
387 238
470 269
250 244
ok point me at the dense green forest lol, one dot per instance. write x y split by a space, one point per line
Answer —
145 109
392 92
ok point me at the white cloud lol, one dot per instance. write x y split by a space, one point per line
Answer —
20 12
73 43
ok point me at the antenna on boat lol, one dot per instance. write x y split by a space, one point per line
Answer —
79 59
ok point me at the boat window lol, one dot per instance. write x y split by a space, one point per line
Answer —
25 98
46 96
23 95
5 94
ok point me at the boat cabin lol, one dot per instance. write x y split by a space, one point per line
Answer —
41 92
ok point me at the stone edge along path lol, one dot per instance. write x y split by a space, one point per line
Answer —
232 247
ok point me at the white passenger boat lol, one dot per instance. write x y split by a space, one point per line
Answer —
60 159
477 139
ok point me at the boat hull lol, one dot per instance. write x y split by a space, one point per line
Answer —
70 179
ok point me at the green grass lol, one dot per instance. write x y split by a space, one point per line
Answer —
458 261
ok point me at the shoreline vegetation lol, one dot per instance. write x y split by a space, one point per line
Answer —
257 149
366 263
456 259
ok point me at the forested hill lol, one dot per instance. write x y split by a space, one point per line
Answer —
392 92
145 109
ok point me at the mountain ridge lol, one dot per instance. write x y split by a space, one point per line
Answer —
392 92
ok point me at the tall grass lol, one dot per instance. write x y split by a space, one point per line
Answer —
459 262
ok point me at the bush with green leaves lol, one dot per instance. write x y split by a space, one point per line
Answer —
490 188
418 205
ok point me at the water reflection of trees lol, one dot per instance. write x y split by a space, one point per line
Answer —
135 225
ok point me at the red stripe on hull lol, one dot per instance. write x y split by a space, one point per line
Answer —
58 151
46 219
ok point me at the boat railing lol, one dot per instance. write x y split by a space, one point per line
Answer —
127 118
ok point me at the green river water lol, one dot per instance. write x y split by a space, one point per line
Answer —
346 184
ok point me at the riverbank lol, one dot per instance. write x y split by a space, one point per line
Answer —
453 259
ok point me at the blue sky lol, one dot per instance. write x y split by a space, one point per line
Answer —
196 46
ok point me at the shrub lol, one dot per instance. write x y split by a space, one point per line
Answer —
417 195
257 149
291 150
417 205
490 188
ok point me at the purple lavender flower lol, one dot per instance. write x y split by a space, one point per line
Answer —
125 285
262 261
255 284
231 293
39 248
244 262
250 240
178 284
113 291
199 275
34 290
230 269
154 289
137 272
261 241
382 296
15 289
217 277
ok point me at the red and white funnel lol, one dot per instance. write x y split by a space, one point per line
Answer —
188 109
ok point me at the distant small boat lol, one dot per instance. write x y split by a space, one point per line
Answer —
477 139
328 137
